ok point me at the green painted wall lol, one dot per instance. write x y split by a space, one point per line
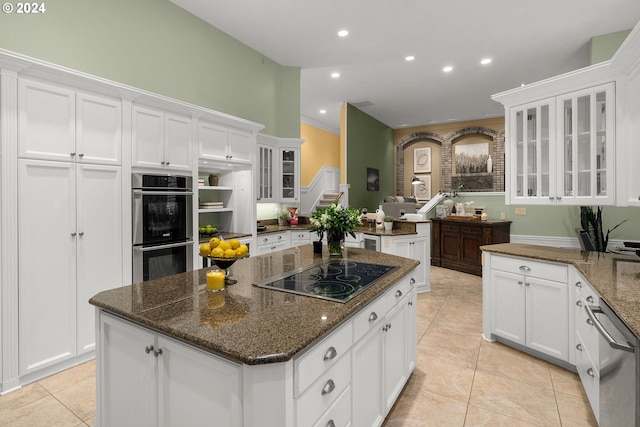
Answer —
556 221
369 145
604 46
157 46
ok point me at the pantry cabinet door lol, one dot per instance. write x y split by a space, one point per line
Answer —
147 138
196 389
46 263
46 121
98 129
99 266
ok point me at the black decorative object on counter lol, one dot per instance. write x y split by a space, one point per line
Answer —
317 247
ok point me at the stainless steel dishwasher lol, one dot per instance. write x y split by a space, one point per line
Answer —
619 374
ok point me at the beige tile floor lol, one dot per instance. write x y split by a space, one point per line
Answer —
460 380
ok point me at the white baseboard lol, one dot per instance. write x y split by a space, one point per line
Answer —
556 242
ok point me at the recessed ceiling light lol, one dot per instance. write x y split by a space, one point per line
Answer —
343 33
323 111
335 75
447 69
409 58
486 61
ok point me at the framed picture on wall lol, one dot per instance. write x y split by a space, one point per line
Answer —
422 160
423 189
373 179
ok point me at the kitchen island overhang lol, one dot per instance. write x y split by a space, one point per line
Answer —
269 336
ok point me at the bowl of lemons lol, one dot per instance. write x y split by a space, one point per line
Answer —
224 253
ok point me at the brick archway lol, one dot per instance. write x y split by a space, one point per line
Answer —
406 143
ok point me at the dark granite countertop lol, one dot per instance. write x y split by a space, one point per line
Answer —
400 228
246 323
615 277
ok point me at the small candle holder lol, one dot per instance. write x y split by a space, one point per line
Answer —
215 280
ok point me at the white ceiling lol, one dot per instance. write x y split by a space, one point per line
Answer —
527 41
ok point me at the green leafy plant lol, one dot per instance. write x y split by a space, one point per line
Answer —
591 222
335 218
284 214
388 218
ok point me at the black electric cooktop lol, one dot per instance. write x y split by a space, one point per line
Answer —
335 280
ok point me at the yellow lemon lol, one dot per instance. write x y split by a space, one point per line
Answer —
217 253
229 253
214 242
224 245
205 249
242 250
235 243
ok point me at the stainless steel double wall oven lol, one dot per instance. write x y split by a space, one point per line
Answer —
162 224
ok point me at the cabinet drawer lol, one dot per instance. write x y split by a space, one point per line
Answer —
339 414
397 293
324 391
368 318
300 235
272 238
587 331
589 376
448 227
541 269
470 230
322 356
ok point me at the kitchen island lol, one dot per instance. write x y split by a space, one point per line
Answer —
170 351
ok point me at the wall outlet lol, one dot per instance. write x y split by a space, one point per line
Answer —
520 211
503 215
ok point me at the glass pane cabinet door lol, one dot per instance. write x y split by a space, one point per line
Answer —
531 125
265 173
288 167
586 137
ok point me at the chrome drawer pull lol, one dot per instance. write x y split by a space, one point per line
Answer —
148 349
373 316
328 387
579 303
398 293
579 347
412 281
331 424
590 322
330 354
520 282
157 352
589 298
590 372
524 268
578 284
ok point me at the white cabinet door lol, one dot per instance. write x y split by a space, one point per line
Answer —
395 352
98 129
265 173
289 175
213 141
46 262
178 150
127 375
547 317
507 293
412 312
196 389
414 247
147 137
99 261
240 146
46 121
368 379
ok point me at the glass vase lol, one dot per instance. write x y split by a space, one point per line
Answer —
335 242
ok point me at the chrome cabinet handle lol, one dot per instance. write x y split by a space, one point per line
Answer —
330 354
590 322
73 234
328 387
412 281
525 268
398 293
527 283
578 284
520 282
162 163
386 327
591 309
72 154
589 298
559 197
579 303
590 372
157 352
579 347
81 155
148 349
373 316
410 302
331 424
81 233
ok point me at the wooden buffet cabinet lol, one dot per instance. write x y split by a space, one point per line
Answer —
456 243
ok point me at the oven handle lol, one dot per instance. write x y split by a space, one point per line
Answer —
162 193
591 309
169 246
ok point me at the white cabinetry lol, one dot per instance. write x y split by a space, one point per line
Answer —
155 381
57 123
278 169
415 247
70 230
272 242
384 353
300 237
562 148
221 143
161 139
525 302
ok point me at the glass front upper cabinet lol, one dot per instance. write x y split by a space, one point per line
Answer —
289 167
586 138
562 149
